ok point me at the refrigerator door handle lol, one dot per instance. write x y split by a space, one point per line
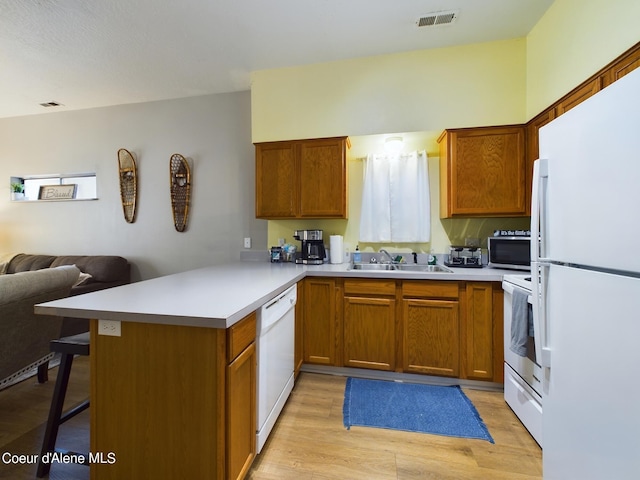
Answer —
540 281
538 209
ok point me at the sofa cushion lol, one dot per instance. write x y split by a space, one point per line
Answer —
25 336
25 262
102 268
26 284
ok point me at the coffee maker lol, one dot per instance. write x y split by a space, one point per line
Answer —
312 251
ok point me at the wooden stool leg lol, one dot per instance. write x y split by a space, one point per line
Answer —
53 422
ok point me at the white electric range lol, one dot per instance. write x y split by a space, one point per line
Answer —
522 375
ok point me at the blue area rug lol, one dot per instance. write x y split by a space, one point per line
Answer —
412 407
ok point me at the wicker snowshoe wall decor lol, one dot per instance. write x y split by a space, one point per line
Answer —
128 174
180 180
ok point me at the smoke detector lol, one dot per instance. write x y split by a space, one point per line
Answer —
436 19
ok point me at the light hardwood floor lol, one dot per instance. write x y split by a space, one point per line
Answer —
308 442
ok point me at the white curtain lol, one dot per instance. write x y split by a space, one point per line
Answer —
395 198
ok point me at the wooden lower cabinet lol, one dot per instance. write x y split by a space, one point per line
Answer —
241 413
369 325
319 324
299 330
478 334
443 328
187 398
431 336
369 333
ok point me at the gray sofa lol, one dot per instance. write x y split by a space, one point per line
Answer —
101 271
24 342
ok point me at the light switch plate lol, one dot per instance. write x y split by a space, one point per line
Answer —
247 242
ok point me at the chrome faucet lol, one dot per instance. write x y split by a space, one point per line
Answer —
383 251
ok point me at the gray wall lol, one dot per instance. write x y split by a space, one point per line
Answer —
213 132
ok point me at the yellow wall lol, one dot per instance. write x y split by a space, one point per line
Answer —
426 90
572 41
421 92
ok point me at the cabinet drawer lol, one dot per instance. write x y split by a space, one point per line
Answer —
240 336
430 289
369 287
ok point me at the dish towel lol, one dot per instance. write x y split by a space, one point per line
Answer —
521 322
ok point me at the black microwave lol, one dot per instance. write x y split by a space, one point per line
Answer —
510 252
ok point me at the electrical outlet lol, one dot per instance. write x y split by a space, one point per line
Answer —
247 242
109 327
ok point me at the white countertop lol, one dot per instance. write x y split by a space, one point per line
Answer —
220 295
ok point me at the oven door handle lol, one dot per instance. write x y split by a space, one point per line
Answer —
509 288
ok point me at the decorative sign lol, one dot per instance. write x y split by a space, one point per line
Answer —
58 192
512 233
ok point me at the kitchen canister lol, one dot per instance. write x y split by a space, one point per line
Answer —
336 248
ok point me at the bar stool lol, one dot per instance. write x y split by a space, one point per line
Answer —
68 347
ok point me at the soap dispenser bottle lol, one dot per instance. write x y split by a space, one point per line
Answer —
357 256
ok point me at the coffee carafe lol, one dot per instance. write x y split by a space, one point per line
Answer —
312 251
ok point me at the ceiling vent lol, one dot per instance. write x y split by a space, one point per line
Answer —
50 104
438 18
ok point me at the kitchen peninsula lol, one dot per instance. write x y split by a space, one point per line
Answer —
173 395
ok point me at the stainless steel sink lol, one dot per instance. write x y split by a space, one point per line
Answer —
422 268
372 266
400 266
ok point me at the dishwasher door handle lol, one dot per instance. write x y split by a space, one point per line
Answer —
273 311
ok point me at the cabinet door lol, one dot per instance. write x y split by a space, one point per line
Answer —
323 178
241 413
578 96
299 332
483 172
276 180
369 333
533 126
431 337
623 65
320 321
478 331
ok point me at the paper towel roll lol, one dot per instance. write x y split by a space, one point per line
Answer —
336 248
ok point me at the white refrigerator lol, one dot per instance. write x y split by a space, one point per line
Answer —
586 286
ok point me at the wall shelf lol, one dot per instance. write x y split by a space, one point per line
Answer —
55 187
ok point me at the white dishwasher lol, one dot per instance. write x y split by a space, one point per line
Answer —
275 346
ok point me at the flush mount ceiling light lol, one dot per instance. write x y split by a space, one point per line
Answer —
393 144
435 19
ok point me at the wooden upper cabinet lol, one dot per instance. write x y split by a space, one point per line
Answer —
533 148
624 64
578 96
302 179
482 172
276 180
323 178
